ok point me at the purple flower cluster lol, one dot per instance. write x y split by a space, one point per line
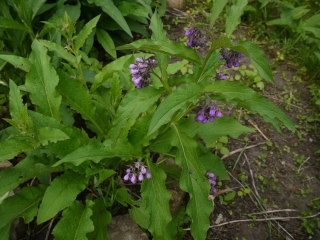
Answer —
212 180
207 113
220 76
136 171
232 57
141 71
195 37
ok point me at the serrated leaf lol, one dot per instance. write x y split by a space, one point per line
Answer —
19 62
174 102
106 41
22 204
193 181
48 134
216 10
97 152
60 51
108 7
157 199
41 82
75 222
233 19
164 46
11 24
238 94
101 217
31 166
11 148
84 33
132 105
78 98
62 191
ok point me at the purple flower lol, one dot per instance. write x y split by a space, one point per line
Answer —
136 172
141 71
200 117
220 76
128 170
212 112
143 170
148 175
208 112
218 114
232 57
196 38
126 177
210 175
140 177
212 180
133 178
139 60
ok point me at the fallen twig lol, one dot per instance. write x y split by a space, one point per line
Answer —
240 149
251 173
274 211
256 127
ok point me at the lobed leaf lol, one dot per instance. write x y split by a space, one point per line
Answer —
41 82
233 19
193 181
157 201
240 95
174 102
22 204
163 46
75 222
62 191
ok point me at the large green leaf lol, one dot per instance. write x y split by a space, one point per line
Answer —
177 100
108 7
48 134
101 217
157 199
164 46
209 70
10 23
214 164
238 94
193 181
75 222
212 131
41 82
60 51
22 204
216 10
19 62
31 166
132 105
60 194
84 33
11 148
78 98
233 19
106 41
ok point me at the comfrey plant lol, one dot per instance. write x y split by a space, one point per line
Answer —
98 131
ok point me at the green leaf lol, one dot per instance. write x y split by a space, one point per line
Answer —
157 199
60 51
75 222
209 70
216 10
130 8
84 33
31 166
312 21
18 62
41 82
238 94
22 204
101 217
106 41
156 25
97 152
193 181
257 58
214 164
314 30
177 100
48 134
163 46
140 214
108 7
11 148
11 24
60 194
78 98
4 231
15 100
233 19
132 105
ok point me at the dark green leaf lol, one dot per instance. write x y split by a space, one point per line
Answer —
216 10
106 41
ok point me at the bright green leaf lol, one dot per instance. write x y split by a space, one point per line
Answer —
216 10
233 19
11 148
12 24
48 134
19 62
106 41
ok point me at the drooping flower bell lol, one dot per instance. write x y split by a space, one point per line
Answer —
220 76
212 180
208 112
232 57
196 38
137 171
141 71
